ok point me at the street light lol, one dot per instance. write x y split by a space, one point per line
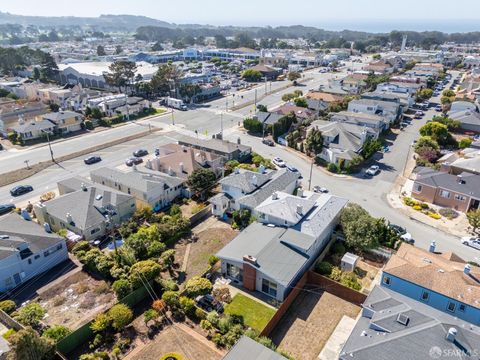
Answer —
173 118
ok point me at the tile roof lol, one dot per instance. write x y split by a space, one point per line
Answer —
318 95
444 275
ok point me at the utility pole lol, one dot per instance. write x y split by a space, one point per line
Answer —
221 124
255 104
265 85
50 146
173 118
310 177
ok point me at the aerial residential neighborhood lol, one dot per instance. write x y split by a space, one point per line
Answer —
239 181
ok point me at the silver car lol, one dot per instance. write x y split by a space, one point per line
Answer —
471 241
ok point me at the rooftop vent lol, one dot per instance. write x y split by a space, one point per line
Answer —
452 334
274 196
467 269
403 319
99 197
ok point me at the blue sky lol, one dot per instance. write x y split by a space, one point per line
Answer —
352 14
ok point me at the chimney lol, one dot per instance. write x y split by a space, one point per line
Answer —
299 209
182 169
69 218
460 179
83 187
261 169
184 148
274 196
250 259
466 269
300 192
452 334
254 180
432 247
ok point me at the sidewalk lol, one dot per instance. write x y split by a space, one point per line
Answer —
456 227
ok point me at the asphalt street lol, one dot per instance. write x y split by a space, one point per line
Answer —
211 118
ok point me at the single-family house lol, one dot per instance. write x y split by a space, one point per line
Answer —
404 99
342 142
247 348
32 129
301 113
469 119
180 161
442 281
65 121
86 209
150 188
244 189
320 101
375 122
354 83
458 106
228 150
379 67
396 327
390 110
271 255
399 87
27 249
460 192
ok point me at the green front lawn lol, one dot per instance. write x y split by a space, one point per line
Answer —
255 314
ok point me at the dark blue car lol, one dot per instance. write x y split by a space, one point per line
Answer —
20 190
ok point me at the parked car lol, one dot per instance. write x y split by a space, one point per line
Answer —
268 142
471 241
20 190
140 153
418 115
208 303
373 170
279 162
133 161
320 189
92 160
6 208
438 108
402 233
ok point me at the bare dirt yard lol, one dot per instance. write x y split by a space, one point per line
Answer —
308 324
173 339
76 300
211 236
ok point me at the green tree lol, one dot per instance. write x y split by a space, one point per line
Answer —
26 344
120 315
424 94
465 143
360 229
241 218
426 141
300 101
30 314
370 147
8 306
166 79
101 51
473 217
101 323
118 50
144 271
36 73
157 47
171 298
150 315
288 97
201 181
145 243
252 75
262 108
314 142
376 56
198 286
253 125
445 120
436 131
121 74
122 288
57 333
293 75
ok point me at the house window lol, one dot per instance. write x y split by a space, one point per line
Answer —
29 261
417 188
386 280
128 190
36 257
46 253
460 198
445 194
269 287
59 247
234 272
425 296
94 231
451 306
462 307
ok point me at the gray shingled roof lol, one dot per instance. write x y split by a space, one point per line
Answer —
248 349
21 231
345 137
273 247
34 126
247 181
214 144
466 117
60 115
144 180
279 182
285 206
89 205
470 184
427 328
